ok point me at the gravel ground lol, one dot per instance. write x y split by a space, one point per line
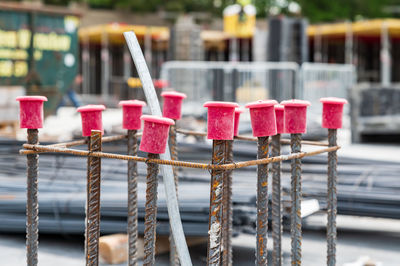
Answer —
377 238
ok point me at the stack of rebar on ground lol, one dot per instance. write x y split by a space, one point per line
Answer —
364 188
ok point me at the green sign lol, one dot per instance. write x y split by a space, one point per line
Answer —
40 52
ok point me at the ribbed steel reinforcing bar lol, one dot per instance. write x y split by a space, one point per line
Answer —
215 213
150 219
132 200
173 255
332 199
262 203
92 232
227 210
32 205
295 217
276 203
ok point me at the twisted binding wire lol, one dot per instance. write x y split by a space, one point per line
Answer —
32 205
295 227
150 219
132 199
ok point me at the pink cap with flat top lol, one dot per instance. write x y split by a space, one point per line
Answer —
220 120
295 116
31 111
332 112
238 111
131 113
262 116
172 107
279 115
155 133
91 118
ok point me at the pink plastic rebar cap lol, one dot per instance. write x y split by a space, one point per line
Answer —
332 112
279 115
172 107
131 113
238 111
295 116
220 119
262 116
31 111
155 133
91 118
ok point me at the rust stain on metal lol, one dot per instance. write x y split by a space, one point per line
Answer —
262 203
32 204
92 232
150 219
132 200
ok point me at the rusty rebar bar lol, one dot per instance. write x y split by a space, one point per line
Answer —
276 203
332 199
132 200
227 210
92 230
262 203
215 213
150 219
229 166
32 205
295 217
173 255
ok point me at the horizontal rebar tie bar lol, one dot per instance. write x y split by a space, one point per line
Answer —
229 166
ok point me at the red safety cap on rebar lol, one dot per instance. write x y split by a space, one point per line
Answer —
155 133
172 106
31 111
131 113
220 119
262 116
279 115
332 112
91 118
295 116
238 111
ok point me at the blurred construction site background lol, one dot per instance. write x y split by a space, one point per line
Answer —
74 53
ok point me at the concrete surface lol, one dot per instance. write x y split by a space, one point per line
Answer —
377 238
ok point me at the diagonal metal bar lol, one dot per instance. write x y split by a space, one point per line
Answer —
132 200
167 172
32 205
262 204
332 199
295 217
92 231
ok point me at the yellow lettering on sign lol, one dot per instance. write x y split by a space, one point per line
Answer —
37 55
52 42
13 54
6 68
20 69
24 39
8 39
